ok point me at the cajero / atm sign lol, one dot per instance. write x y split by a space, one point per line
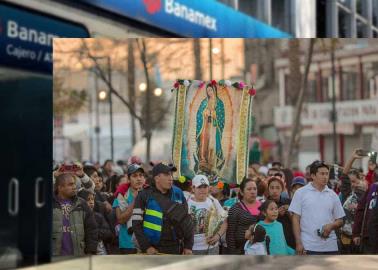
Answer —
190 18
26 38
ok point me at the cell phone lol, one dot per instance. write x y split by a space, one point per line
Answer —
373 156
69 168
362 153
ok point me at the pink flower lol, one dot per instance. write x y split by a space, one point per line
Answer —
241 85
176 85
252 92
201 85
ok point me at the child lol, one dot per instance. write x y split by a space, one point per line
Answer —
258 241
104 233
274 229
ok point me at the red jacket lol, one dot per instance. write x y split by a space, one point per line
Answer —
370 177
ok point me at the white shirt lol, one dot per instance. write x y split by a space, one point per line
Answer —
200 213
316 208
255 249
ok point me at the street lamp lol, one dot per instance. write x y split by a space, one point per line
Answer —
158 92
216 50
142 87
102 95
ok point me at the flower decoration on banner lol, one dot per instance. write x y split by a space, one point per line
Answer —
238 85
182 179
220 185
252 91
179 82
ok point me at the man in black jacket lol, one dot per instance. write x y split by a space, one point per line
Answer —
161 222
74 231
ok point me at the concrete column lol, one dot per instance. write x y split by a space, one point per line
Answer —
265 9
352 27
367 12
332 19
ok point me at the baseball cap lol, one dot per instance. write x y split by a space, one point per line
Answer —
200 180
134 160
299 180
134 168
163 168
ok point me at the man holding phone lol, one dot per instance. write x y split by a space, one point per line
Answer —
81 179
317 214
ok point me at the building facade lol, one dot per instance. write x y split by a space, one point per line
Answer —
347 18
297 17
356 89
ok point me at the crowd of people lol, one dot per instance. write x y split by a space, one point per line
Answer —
135 208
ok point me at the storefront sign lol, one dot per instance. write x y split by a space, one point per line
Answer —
191 18
26 38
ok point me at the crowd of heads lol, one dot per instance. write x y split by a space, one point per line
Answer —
266 184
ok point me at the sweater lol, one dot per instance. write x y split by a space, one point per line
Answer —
238 221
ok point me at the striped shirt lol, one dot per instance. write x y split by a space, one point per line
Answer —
238 221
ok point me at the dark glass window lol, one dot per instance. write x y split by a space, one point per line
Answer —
281 15
344 19
375 13
230 3
250 7
321 18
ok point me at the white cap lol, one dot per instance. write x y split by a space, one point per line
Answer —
200 180
263 170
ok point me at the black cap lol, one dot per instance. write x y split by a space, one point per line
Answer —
163 168
134 168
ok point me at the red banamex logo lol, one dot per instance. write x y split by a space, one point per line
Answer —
152 6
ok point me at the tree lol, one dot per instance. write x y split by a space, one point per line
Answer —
131 84
197 59
67 101
296 133
295 76
153 112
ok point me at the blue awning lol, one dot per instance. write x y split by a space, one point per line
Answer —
191 18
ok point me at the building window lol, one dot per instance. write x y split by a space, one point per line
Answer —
231 3
327 85
350 87
344 23
370 71
375 13
311 89
251 7
281 15
356 18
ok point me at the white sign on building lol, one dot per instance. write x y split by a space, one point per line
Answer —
317 114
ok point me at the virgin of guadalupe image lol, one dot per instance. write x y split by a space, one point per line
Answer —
210 120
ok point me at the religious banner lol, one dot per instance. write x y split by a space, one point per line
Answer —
211 129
